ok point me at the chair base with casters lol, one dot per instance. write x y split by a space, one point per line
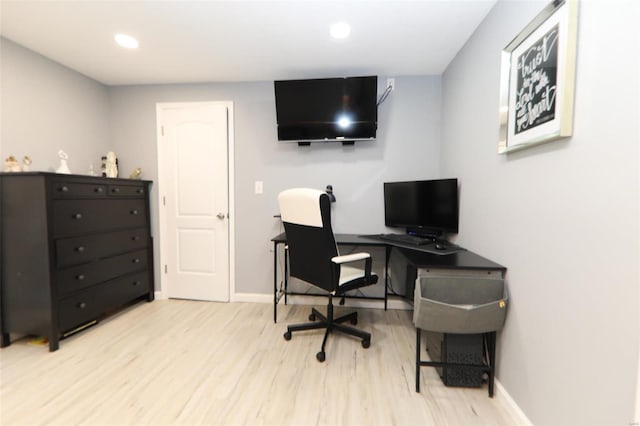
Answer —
331 324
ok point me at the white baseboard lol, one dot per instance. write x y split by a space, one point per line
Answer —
392 303
252 297
237 297
316 300
503 398
353 303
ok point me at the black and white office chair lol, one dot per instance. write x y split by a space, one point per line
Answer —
314 258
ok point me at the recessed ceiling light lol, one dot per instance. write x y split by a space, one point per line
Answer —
126 41
340 30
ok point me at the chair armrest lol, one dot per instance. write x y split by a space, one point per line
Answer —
350 257
354 257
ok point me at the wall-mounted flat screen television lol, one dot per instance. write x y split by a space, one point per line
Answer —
425 207
327 109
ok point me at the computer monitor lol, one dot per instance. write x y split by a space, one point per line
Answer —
427 207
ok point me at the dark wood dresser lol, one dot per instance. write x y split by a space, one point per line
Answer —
73 249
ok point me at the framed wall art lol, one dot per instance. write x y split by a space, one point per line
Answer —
537 79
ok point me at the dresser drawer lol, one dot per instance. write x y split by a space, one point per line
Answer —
92 302
77 250
123 290
72 217
126 190
80 308
61 189
79 277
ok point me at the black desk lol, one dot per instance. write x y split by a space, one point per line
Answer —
419 257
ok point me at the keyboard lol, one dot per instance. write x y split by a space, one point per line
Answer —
407 239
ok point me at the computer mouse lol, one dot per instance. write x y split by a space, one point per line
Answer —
440 246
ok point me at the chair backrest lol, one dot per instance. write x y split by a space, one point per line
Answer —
306 214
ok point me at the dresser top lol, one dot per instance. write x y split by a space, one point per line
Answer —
72 177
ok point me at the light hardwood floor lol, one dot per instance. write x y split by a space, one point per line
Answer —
174 362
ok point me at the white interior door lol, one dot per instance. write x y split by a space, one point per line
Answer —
194 197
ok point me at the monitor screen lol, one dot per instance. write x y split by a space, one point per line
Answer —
427 207
327 109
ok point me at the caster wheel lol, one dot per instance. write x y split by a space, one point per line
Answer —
342 302
312 317
366 343
354 321
320 356
287 335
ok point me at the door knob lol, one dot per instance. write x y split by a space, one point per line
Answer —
220 215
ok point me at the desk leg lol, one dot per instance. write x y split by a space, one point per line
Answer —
275 282
286 272
418 359
387 256
491 349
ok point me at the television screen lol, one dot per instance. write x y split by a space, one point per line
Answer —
327 109
427 207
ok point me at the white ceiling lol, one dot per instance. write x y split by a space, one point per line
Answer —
203 41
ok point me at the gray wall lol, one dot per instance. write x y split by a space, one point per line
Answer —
45 107
407 147
563 217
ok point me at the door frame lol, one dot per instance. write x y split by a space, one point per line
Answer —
162 183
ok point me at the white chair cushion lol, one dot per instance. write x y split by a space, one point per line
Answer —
301 206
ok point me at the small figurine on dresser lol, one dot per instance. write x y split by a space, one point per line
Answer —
26 163
136 174
11 164
112 165
63 168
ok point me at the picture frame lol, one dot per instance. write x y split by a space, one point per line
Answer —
537 79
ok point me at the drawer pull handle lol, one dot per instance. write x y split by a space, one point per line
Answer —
82 305
80 249
98 189
115 190
135 238
136 260
140 191
80 277
136 283
64 189
134 212
77 216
